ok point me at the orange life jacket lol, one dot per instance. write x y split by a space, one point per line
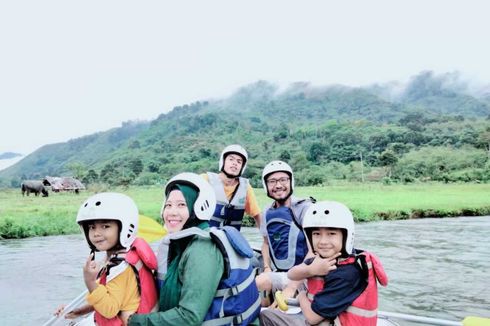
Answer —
364 309
142 258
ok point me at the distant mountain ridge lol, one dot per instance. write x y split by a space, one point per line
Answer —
8 155
304 124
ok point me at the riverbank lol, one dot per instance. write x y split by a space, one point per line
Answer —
22 217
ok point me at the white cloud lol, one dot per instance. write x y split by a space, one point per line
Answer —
73 68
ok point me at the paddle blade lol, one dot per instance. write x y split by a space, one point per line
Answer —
150 230
476 321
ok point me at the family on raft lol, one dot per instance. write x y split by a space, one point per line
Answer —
205 272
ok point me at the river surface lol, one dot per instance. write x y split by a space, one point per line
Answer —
437 268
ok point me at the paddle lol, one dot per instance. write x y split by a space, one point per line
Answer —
148 229
468 321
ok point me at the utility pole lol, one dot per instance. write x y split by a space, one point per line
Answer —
362 168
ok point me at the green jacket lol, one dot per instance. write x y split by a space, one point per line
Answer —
200 269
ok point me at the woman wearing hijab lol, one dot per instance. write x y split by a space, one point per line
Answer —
190 265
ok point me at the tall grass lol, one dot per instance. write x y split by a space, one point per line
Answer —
22 217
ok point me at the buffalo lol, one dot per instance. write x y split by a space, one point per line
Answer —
34 186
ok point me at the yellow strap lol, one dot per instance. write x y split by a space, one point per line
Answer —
476 321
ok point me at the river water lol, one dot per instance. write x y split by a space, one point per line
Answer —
437 268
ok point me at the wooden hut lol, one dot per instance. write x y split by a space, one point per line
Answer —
58 184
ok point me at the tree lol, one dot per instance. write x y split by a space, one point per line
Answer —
136 166
90 177
285 156
388 159
484 141
316 151
77 169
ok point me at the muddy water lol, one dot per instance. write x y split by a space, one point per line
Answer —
437 268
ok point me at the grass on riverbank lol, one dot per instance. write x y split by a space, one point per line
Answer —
22 217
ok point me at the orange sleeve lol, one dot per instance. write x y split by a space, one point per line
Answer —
205 176
251 206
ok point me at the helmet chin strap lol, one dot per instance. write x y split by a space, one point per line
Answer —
230 176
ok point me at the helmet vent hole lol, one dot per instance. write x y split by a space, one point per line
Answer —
314 212
85 205
132 227
98 203
327 212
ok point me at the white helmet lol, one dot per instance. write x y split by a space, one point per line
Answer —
233 149
277 166
111 206
330 214
206 199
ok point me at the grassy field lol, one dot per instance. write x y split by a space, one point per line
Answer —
22 217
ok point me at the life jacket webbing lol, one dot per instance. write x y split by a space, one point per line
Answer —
224 293
237 288
237 200
234 320
362 312
138 265
220 219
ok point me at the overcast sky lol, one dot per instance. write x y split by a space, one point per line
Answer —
72 68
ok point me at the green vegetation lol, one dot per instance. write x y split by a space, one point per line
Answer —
35 216
430 132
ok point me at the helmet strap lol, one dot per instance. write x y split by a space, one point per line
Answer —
230 176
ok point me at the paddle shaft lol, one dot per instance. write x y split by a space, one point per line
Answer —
419 319
73 304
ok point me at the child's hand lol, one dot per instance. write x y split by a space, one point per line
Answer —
322 266
59 311
90 272
77 312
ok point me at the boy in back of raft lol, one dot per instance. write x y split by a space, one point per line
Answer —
341 282
124 284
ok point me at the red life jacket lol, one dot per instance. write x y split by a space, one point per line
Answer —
364 310
142 258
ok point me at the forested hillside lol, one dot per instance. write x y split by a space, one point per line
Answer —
431 130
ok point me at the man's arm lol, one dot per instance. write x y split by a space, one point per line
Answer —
251 206
265 255
257 219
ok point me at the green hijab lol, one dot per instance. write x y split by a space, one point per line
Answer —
190 195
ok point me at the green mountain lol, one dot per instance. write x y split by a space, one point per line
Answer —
326 133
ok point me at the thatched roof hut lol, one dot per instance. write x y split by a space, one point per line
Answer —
63 184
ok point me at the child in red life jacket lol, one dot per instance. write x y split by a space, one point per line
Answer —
341 281
124 284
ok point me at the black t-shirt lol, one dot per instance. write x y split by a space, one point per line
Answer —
342 286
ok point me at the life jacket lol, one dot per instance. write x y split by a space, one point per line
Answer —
364 309
287 242
237 300
143 260
228 212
